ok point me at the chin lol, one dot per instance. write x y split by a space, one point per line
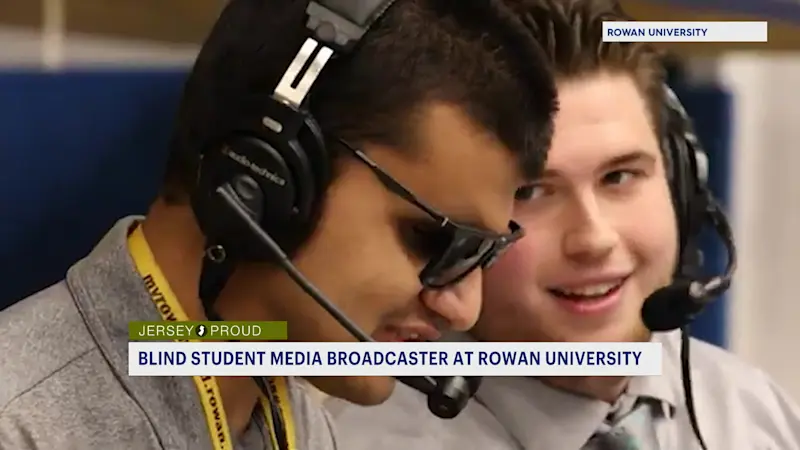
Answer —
625 332
364 391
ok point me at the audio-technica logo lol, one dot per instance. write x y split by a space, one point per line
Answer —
201 330
241 159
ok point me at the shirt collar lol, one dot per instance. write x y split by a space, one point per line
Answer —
667 387
109 294
540 417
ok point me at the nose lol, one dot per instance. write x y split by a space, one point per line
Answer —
460 304
591 237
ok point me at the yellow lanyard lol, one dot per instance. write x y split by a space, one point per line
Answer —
167 304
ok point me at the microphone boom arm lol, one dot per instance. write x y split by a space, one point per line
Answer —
447 396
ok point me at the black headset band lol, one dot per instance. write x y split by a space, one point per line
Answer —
336 27
342 23
684 126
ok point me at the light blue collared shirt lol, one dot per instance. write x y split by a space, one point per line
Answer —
737 406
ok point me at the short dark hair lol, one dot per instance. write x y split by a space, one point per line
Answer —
571 33
475 54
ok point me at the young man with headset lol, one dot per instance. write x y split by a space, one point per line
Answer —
606 260
364 208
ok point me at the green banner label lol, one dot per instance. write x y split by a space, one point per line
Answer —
207 331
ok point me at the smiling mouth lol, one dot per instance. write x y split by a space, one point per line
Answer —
589 293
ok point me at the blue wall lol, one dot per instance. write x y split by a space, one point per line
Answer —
79 150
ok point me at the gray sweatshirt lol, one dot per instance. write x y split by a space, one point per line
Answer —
63 375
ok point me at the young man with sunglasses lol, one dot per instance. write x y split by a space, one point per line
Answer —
430 124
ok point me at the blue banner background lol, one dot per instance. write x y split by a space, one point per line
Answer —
766 9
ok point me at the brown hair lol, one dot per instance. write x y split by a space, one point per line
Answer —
571 33
475 54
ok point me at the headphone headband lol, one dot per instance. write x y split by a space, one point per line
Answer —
342 23
336 26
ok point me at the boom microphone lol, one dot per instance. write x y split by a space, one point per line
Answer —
447 396
676 305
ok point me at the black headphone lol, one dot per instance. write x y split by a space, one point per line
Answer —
259 196
687 164
687 168
278 162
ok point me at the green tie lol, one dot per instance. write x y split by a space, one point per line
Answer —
608 438
612 435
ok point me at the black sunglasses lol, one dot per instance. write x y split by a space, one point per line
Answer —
467 248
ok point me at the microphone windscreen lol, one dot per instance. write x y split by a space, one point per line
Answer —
669 308
450 396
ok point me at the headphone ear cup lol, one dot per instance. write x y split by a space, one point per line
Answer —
286 169
677 167
680 184
685 200
256 172
248 157
295 136
316 163
307 157
688 172
319 158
